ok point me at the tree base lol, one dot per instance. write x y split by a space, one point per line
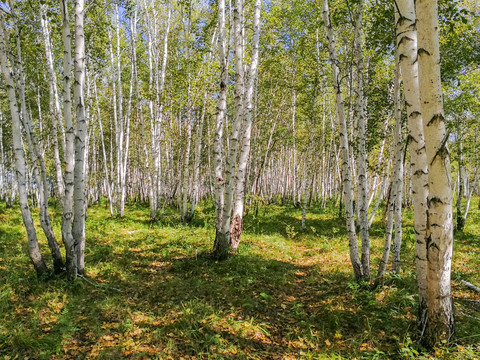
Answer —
221 246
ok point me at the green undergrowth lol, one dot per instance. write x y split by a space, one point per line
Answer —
152 292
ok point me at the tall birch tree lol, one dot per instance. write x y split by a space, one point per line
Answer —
362 201
39 170
345 150
439 232
237 222
69 156
78 227
20 166
221 244
407 53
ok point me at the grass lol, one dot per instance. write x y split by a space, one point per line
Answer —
152 293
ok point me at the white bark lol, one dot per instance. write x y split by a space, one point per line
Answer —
362 191
238 114
104 152
221 245
156 86
346 168
20 167
395 199
3 181
71 256
57 120
439 240
294 150
189 125
461 179
237 223
119 129
196 161
407 52
397 177
37 161
78 227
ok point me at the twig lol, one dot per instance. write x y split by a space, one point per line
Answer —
96 285
467 315
470 286
467 299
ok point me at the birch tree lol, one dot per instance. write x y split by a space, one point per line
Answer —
345 150
407 53
36 156
221 244
362 202
237 222
57 121
395 198
69 159
439 232
20 166
78 227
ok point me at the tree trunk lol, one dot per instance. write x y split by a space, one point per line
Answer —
362 201
20 167
346 168
440 323
397 177
57 120
39 165
238 113
196 164
78 227
294 150
3 180
395 198
119 129
407 52
461 178
221 246
237 223
67 215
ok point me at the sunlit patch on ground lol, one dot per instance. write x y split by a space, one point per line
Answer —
152 293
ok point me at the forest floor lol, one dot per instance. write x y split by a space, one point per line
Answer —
152 293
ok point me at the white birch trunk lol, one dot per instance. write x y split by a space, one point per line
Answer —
397 177
395 198
3 182
237 222
186 168
151 156
67 216
362 191
346 168
37 159
196 162
189 116
221 245
20 167
119 130
78 227
238 114
57 120
104 153
407 52
294 151
461 177
439 240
